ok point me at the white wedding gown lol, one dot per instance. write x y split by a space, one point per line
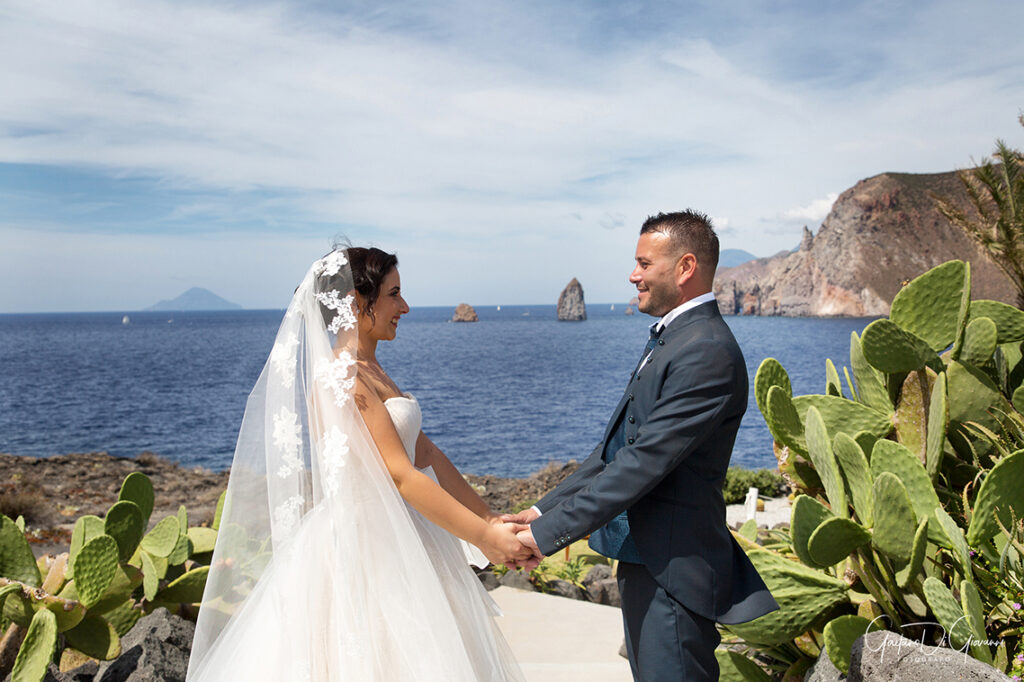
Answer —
387 612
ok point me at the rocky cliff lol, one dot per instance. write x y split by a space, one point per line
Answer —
880 233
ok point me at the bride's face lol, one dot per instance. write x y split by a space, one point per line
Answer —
387 309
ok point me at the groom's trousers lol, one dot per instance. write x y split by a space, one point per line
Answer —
666 641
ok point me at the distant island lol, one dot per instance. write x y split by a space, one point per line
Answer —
730 258
196 298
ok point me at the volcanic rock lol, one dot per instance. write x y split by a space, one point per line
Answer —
570 303
464 313
880 233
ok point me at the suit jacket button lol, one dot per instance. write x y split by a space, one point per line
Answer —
630 396
631 441
631 419
661 342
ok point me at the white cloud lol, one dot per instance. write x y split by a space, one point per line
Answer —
445 130
813 212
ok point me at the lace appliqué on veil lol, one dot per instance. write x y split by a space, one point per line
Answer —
331 264
346 317
334 376
333 455
286 515
288 439
282 357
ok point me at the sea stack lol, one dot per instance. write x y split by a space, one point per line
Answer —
570 303
464 313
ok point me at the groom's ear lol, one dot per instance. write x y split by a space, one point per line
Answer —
686 268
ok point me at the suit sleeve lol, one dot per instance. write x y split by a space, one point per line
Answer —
694 399
579 478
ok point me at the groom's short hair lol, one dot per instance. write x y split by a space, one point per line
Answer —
690 232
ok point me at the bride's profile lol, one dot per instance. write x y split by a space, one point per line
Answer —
338 554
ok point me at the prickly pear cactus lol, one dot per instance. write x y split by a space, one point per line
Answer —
916 499
37 650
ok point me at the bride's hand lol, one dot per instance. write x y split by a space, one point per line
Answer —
501 546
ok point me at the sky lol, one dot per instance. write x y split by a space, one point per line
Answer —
500 148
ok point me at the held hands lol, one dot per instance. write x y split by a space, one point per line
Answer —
504 544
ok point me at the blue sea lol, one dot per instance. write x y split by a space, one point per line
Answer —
503 396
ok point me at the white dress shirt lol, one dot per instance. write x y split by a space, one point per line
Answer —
661 324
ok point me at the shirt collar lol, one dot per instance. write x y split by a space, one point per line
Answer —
679 310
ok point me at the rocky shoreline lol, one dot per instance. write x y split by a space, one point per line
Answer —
51 492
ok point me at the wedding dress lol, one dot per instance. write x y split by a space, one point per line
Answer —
321 571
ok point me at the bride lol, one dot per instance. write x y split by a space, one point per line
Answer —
338 554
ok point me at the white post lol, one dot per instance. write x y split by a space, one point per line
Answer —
750 503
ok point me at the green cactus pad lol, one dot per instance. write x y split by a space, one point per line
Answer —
126 579
857 475
999 494
819 449
749 530
37 649
929 306
138 488
979 341
912 414
735 668
187 589
844 416
219 511
970 602
832 384
953 537
86 528
894 517
905 575
896 459
947 611
182 551
160 541
804 595
182 517
938 421
150 579
891 349
1009 321
95 567
124 616
95 637
1018 399
835 539
852 387
125 524
203 539
17 561
871 389
783 420
805 517
839 635
971 395
770 373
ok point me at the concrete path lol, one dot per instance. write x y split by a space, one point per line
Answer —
562 640
776 510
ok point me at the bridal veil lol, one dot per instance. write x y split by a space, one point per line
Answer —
321 571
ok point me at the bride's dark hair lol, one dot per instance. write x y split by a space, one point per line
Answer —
369 267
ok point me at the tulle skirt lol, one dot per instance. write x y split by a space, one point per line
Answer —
323 613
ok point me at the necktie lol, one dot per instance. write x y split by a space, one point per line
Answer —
651 343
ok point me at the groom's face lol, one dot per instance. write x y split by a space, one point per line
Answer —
655 274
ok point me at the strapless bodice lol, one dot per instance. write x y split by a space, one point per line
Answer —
407 418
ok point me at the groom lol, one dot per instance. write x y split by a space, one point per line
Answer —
650 494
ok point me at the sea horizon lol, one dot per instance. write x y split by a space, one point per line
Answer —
500 396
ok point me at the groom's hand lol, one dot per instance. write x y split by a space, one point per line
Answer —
525 516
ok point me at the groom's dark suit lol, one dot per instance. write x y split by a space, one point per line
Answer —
676 424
